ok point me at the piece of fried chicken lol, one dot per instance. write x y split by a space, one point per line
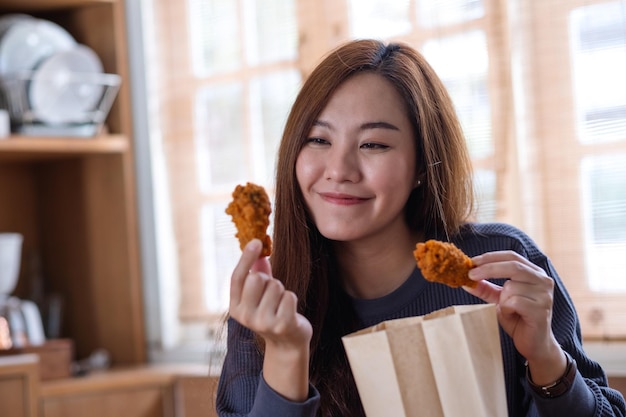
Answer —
443 262
250 210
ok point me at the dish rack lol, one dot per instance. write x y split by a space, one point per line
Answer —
15 97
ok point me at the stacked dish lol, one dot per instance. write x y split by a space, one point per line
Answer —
49 78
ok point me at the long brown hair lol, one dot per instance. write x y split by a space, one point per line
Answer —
303 259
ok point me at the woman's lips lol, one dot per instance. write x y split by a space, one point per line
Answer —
342 199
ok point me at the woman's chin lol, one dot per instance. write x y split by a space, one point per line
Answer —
344 234
340 235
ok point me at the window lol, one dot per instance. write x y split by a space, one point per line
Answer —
581 145
603 199
452 35
598 51
379 19
224 80
538 86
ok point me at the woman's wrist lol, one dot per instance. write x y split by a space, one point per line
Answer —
547 368
286 371
547 365
559 386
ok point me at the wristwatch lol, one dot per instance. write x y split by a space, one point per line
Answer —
558 387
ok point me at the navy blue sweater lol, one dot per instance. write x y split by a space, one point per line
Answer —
243 392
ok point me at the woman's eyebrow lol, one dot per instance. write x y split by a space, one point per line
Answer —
322 123
364 126
379 125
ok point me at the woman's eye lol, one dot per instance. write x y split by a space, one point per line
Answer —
374 146
317 141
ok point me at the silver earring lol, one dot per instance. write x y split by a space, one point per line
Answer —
419 182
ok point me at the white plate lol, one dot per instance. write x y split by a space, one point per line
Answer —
65 87
7 21
10 262
28 41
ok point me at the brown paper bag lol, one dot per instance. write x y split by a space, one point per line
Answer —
445 364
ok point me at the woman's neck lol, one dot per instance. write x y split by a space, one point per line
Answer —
374 268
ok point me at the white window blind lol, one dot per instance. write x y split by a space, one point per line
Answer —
598 48
538 86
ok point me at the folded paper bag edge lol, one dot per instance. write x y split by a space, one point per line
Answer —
368 372
389 328
384 325
468 327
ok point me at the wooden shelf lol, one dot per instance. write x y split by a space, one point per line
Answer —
121 379
43 5
73 199
27 148
19 386
146 391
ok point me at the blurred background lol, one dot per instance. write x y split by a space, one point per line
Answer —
539 86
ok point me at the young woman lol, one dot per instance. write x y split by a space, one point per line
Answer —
371 162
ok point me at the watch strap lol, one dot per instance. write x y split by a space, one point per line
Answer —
558 387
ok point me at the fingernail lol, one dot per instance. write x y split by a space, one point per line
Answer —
254 245
472 273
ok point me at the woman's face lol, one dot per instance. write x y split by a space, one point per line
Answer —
357 167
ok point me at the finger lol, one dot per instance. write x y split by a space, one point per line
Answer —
248 257
518 305
503 256
536 298
512 288
512 269
288 306
486 291
253 290
271 298
516 310
262 265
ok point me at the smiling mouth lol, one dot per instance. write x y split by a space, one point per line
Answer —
342 199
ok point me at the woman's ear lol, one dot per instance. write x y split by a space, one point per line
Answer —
419 180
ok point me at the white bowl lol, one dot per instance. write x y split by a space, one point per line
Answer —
28 41
10 260
64 88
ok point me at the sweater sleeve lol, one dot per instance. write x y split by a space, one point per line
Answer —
590 395
269 403
242 391
584 398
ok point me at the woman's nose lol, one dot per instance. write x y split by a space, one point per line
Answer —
342 164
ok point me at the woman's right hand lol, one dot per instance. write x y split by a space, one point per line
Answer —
262 304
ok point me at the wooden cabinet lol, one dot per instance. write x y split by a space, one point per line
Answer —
145 391
195 395
73 199
138 391
147 402
132 392
19 386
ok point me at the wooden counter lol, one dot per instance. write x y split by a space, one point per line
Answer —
19 386
141 391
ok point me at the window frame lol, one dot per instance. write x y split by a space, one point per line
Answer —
525 199
558 153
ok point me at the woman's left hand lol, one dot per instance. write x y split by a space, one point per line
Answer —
524 307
